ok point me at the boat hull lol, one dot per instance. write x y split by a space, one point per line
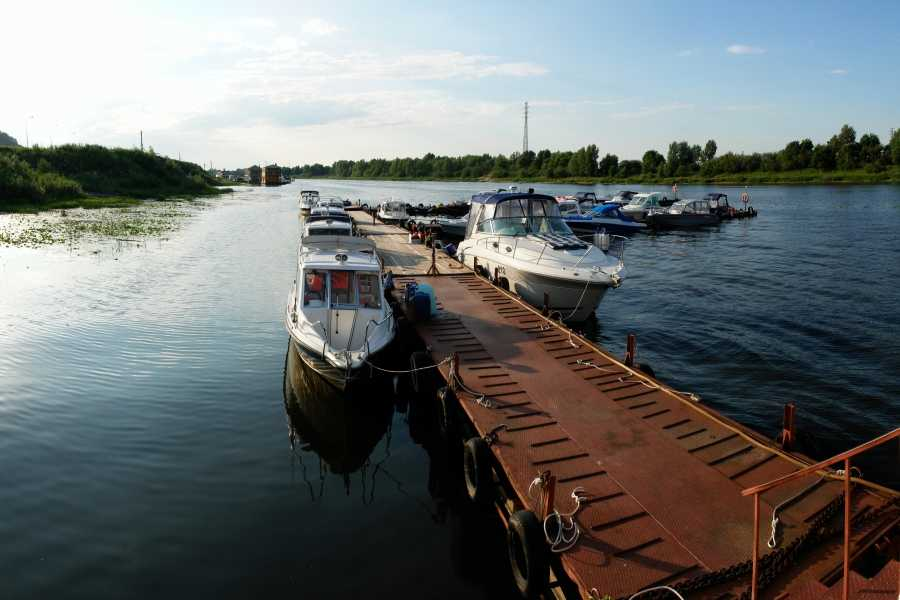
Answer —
614 226
571 298
682 221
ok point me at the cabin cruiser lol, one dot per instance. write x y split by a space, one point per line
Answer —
622 197
603 217
446 225
321 213
642 205
337 314
327 226
392 211
522 243
684 214
331 202
308 199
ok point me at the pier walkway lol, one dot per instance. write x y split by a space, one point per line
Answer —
661 473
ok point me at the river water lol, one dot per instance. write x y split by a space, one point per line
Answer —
158 440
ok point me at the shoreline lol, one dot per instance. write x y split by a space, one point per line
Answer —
90 202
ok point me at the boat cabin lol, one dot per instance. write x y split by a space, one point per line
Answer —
331 202
646 201
694 207
339 289
327 226
325 213
515 214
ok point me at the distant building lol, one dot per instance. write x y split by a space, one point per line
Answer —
271 175
253 175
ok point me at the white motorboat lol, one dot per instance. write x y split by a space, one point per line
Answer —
308 199
392 211
521 242
642 205
327 226
337 314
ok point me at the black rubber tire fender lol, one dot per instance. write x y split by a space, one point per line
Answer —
647 369
527 553
477 470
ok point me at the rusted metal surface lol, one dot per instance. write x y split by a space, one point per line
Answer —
663 474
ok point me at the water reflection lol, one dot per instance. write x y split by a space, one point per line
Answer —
342 430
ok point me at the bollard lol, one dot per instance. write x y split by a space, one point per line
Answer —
788 430
475 264
546 308
630 350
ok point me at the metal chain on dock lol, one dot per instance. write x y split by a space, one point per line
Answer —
773 564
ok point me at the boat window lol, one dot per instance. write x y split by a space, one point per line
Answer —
314 289
343 288
369 290
474 215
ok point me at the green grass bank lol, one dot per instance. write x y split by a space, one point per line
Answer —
89 176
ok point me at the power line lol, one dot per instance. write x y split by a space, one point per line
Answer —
525 133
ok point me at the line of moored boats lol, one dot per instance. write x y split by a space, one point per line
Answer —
338 315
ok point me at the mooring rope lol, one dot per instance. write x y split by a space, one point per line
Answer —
633 373
567 530
405 371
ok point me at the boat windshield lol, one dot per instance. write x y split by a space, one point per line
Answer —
521 216
345 289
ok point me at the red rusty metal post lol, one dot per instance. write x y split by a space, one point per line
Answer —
630 350
755 572
546 309
788 430
475 264
845 587
454 369
549 496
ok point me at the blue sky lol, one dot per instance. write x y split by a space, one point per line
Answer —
295 82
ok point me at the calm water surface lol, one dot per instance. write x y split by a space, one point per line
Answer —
157 439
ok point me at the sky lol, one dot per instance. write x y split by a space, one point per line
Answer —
293 82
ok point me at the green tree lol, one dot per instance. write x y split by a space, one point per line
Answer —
651 161
870 150
709 151
823 157
608 165
894 146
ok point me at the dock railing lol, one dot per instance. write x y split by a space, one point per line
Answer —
756 490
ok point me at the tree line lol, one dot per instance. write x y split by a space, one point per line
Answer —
842 152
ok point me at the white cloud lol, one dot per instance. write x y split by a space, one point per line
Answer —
651 111
839 71
319 26
744 49
689 52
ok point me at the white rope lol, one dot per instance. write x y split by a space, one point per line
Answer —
577 304
480 398
632 373
773 536
653 589
425 368
567 530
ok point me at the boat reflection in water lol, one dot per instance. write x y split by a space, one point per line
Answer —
342 430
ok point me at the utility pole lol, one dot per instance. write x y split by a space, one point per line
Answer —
525 134
142 140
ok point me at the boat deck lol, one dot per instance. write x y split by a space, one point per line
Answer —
662 473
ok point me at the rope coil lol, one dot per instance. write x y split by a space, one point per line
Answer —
567 530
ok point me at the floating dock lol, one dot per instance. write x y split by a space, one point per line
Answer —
661 475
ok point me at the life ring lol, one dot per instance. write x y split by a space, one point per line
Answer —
527 553
477 471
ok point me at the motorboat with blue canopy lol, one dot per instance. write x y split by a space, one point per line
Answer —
521 241
603 217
